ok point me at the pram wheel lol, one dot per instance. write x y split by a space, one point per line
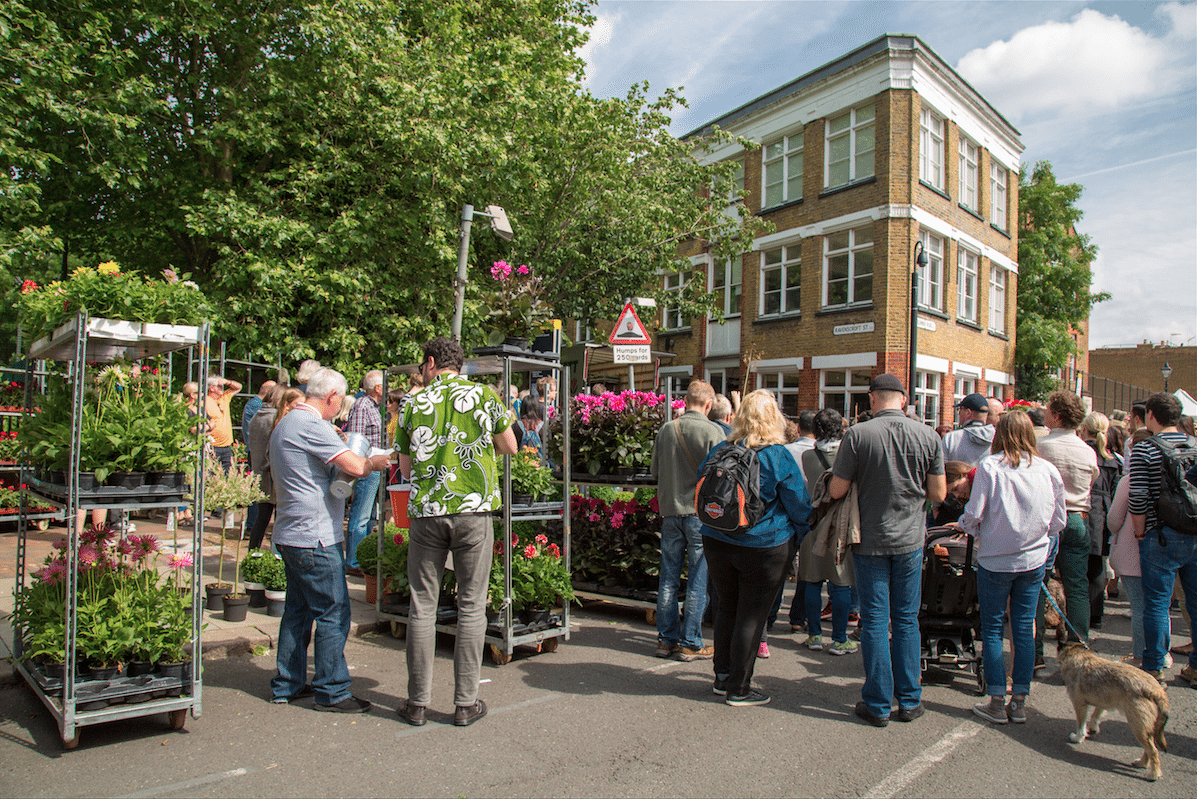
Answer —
981 684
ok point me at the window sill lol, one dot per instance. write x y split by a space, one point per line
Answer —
847 186
929 311
840 309
968 324
677 331
935 189
779 207
777 317
969 211
996 334
1000 230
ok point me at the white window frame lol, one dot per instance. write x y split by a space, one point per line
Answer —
853 252
860 131
969 167
931 149
671 314
997 299
723 281
786 156
849 394
582 332
931 276
964 385
784 388
926 396
997 195
968 267
789 264
720 378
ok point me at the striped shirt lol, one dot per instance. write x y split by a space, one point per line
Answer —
1145 477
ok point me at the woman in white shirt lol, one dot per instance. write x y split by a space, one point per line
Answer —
1016 506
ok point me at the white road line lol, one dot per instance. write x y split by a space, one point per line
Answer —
536 700
669 664
183 786
894 783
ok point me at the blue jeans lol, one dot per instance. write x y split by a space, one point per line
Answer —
316 594
679 537
365 497
890 587
841 600
1021 590
1134 595
1164 555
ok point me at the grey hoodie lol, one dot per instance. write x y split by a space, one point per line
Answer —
970 443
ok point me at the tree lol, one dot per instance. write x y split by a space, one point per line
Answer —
1054 278
307 163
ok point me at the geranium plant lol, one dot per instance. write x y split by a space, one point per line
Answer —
528 475
539 579
616 538
516 301
610 431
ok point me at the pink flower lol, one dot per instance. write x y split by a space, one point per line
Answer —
500 271
87 555
180 562
553 550
542 539
594 517
145 545
524 270
125 547
616 521
654 505
515 540
60 544
498 547
529 551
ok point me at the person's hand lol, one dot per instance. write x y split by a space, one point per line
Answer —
379 463
734 396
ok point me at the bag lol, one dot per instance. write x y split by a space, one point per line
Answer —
1176 506
728 496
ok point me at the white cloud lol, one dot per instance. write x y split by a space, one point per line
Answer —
600 37
1090 64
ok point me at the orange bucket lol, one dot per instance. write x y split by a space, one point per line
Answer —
400 495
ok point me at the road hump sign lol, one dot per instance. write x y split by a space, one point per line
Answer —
629 329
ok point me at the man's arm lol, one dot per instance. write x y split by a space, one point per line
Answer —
937 487
355 465
504 444
1139 525
838 486
405 466
230 387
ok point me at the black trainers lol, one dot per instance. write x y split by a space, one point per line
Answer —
465 716
907 714
750 698
350 704
306 692
719 688
862 711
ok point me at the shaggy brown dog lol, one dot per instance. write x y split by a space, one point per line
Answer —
1107 685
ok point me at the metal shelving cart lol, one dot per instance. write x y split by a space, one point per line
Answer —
504 634
9 420
77 343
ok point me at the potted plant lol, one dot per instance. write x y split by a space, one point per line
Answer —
273 573
530 479
517 305
539 579
615 539
610 432
251 568
393 565
234 489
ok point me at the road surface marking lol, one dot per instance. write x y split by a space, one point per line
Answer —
183 786
894 783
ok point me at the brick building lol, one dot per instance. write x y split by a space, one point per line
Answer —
860 160
1119 375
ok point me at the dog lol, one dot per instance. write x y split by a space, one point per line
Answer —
1052 620
1107 685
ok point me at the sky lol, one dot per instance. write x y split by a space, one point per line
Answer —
1107 92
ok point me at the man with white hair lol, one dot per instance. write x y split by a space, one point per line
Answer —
306 452
304 373
366 419
220 423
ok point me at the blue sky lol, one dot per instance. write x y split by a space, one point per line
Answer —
1107 92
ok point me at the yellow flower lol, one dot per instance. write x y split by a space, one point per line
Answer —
82 270
109 268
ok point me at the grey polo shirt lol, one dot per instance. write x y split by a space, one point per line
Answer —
889 458
302 447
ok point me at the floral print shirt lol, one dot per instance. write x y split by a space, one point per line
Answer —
448 431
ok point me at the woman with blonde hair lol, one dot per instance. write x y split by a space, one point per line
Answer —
1095 431
286 403
746 571
1016 507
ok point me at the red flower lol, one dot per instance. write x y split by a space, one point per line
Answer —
498 547
398 539
542 539
28 286
553 550
529 551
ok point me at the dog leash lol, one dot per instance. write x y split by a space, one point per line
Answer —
1063 617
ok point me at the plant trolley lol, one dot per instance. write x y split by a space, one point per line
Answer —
76 700
505 630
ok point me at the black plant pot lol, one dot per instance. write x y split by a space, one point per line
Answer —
180 671
130 481
136 668
216 593
87 481
235 607
257 597
105 672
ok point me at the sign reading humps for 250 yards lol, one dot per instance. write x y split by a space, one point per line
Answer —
632 353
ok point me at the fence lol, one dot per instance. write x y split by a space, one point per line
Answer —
1110 395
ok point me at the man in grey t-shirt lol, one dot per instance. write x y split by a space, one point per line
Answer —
897 465
305 454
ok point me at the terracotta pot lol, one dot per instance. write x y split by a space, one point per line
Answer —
371 588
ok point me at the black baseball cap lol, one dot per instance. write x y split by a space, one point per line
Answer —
974 402
886 383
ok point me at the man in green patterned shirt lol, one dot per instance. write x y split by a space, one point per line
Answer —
446 441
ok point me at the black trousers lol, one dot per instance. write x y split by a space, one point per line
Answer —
746 581
265 511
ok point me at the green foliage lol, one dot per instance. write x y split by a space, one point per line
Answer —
539 579
254 565
1054 278
528 474
394 557
272 573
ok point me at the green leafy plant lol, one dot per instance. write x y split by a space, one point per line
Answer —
539 579
528 474
615 538
273 573
252 565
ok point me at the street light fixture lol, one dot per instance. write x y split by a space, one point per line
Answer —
920 259
501 227
1166 371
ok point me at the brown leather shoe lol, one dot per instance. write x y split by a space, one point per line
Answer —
415 715
687 654
664 650
465 716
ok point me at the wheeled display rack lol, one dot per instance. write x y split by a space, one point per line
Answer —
505 633
77 343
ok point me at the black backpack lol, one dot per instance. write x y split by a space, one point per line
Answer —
728 496
1176 506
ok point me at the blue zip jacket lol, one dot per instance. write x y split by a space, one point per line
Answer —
787 505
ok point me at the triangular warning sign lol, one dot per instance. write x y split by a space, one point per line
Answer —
629 329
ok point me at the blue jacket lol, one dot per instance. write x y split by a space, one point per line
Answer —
787 505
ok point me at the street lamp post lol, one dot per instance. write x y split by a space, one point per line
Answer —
499 223
920 259
1166 371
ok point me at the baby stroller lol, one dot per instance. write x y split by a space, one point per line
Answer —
949 616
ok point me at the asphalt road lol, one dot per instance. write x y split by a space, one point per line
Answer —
599 717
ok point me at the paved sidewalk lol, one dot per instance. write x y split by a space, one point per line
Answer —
219 639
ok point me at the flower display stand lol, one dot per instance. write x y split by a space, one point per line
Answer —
80 702
505 630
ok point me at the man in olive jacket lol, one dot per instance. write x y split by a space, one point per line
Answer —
681 446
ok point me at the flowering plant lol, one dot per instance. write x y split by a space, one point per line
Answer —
528 475
10 447
610 431
106 291
515 298
616 538
12 395
539 579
